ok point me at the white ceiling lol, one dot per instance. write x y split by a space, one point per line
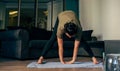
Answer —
13 1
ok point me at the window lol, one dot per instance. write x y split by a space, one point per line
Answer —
28 14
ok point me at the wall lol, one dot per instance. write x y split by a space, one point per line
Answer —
103 16
89 13
110 19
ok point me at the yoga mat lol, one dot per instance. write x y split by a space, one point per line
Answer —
60 65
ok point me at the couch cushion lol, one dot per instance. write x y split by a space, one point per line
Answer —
39 44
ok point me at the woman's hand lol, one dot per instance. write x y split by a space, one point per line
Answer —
67 62
75 51
70 62
62 62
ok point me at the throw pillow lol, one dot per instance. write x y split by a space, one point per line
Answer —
86 35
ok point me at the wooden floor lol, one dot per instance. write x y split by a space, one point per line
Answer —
18 65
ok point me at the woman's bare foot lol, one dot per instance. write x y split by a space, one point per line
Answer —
40 60
95 61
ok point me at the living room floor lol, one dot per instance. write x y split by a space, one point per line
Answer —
7 64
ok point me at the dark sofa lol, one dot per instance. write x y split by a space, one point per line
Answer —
22 43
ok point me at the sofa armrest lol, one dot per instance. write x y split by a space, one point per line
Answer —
14 43
14 35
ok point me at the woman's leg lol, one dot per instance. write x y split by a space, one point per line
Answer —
50 43
87 48
89 51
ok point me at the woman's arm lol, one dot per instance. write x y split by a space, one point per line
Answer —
76 46
60 49
75 52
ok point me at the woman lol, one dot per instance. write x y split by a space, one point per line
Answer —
67 24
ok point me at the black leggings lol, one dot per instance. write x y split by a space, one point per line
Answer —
87 48
53 39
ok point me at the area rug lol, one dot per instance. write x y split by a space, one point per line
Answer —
60 65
